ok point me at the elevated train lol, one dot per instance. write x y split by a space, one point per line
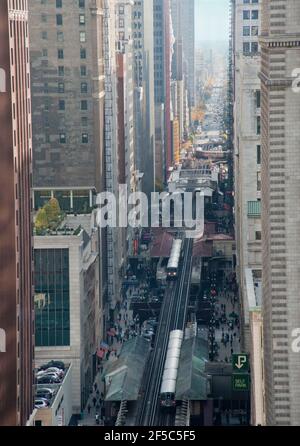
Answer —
173 263
168 385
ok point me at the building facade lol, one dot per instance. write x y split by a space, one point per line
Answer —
144 112
247 143
68 308
183 20
16 310
162 87
280 109
68 94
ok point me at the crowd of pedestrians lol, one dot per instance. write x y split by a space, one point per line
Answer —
224 325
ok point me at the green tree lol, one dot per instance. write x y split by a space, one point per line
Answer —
53 212
41 221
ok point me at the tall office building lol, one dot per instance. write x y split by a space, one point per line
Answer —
144 111
67 67
247 145
16 310
280 110
162 87
183 19
68 100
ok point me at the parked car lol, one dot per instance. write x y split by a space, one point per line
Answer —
58 364
57 370
45 392
48 379
41 403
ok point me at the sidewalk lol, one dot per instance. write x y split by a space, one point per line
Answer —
125 328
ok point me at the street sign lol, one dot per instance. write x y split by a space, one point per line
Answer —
240 383
240 363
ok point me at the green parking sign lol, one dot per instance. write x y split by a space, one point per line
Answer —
240 363
241 383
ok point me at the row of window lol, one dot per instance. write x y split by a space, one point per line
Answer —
63 138
60 36
59 3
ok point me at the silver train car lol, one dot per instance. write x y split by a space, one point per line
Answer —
168 385
173 263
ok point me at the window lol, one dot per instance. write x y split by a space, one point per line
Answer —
121 23
61 87
254 30
60 54
81 3
258 127
258 154
258 181
61 105
82 53
246 31
81 19
246 47
45 53
44 35
83 70
59 19
257 97
59 3
61 71
246 15
84 87
84 138
52 279
254 14
62 138
258 235
254 47
82 36
84 121
60 36
84 105
44 18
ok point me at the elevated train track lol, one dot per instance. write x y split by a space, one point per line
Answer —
172 317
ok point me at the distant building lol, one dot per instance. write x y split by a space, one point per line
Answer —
162 87
144 112
183 19
16 309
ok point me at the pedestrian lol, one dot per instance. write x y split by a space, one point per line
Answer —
97 393
95 386
89 409
94 401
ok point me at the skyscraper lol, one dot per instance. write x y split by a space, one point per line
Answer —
280 110
67 68
144 93
183 19
162 87
247 145
68 100
16 310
